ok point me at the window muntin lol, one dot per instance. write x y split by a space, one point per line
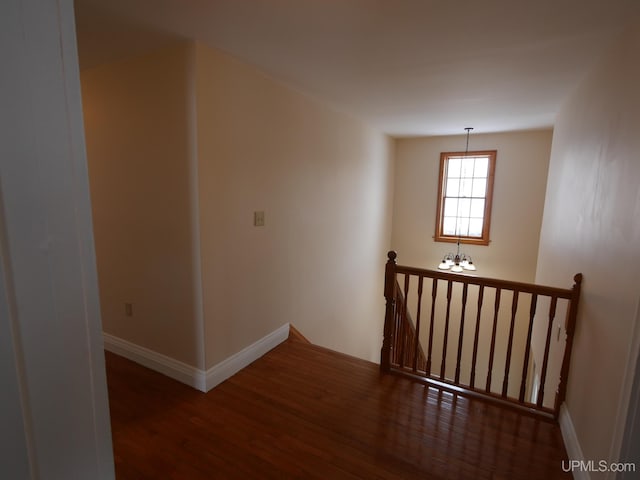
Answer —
465 193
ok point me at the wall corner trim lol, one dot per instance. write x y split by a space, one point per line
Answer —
187 374
571 443
236 362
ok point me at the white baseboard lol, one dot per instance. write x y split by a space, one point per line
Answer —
189 375
168 366
230 366
571 443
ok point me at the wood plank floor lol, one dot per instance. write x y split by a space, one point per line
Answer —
302 411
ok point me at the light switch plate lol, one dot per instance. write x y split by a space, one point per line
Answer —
258 218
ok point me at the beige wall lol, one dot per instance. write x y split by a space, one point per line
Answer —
520 178
591 224
136 122
324 182
184 145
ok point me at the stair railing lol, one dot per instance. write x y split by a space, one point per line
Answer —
503 339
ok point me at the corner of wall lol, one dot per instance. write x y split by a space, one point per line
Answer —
232 365
194 199
192 376
172 368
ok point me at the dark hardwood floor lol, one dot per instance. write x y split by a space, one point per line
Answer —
305 412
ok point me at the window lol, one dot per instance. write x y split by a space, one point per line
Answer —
464 197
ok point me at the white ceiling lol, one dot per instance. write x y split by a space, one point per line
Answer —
408 67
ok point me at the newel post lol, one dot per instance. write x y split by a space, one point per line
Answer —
389 295
570 329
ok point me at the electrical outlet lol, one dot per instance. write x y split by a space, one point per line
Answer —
258 218
128 309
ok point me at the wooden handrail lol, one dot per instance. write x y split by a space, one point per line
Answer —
402 351
566 293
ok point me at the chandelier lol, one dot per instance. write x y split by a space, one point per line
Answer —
458 262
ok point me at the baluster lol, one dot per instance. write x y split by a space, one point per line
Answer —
394 329
475 338
416 341
496 308
446 330
434 294
397 329
464 308
507 365
527 352
397 333
404 330
547 345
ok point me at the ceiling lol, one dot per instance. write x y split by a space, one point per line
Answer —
408 67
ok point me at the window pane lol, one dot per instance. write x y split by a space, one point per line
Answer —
465 187
449 226
467 167
463 227
450 207
481 167
477 208
479 187
453 187
475 227
453 167
464 207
